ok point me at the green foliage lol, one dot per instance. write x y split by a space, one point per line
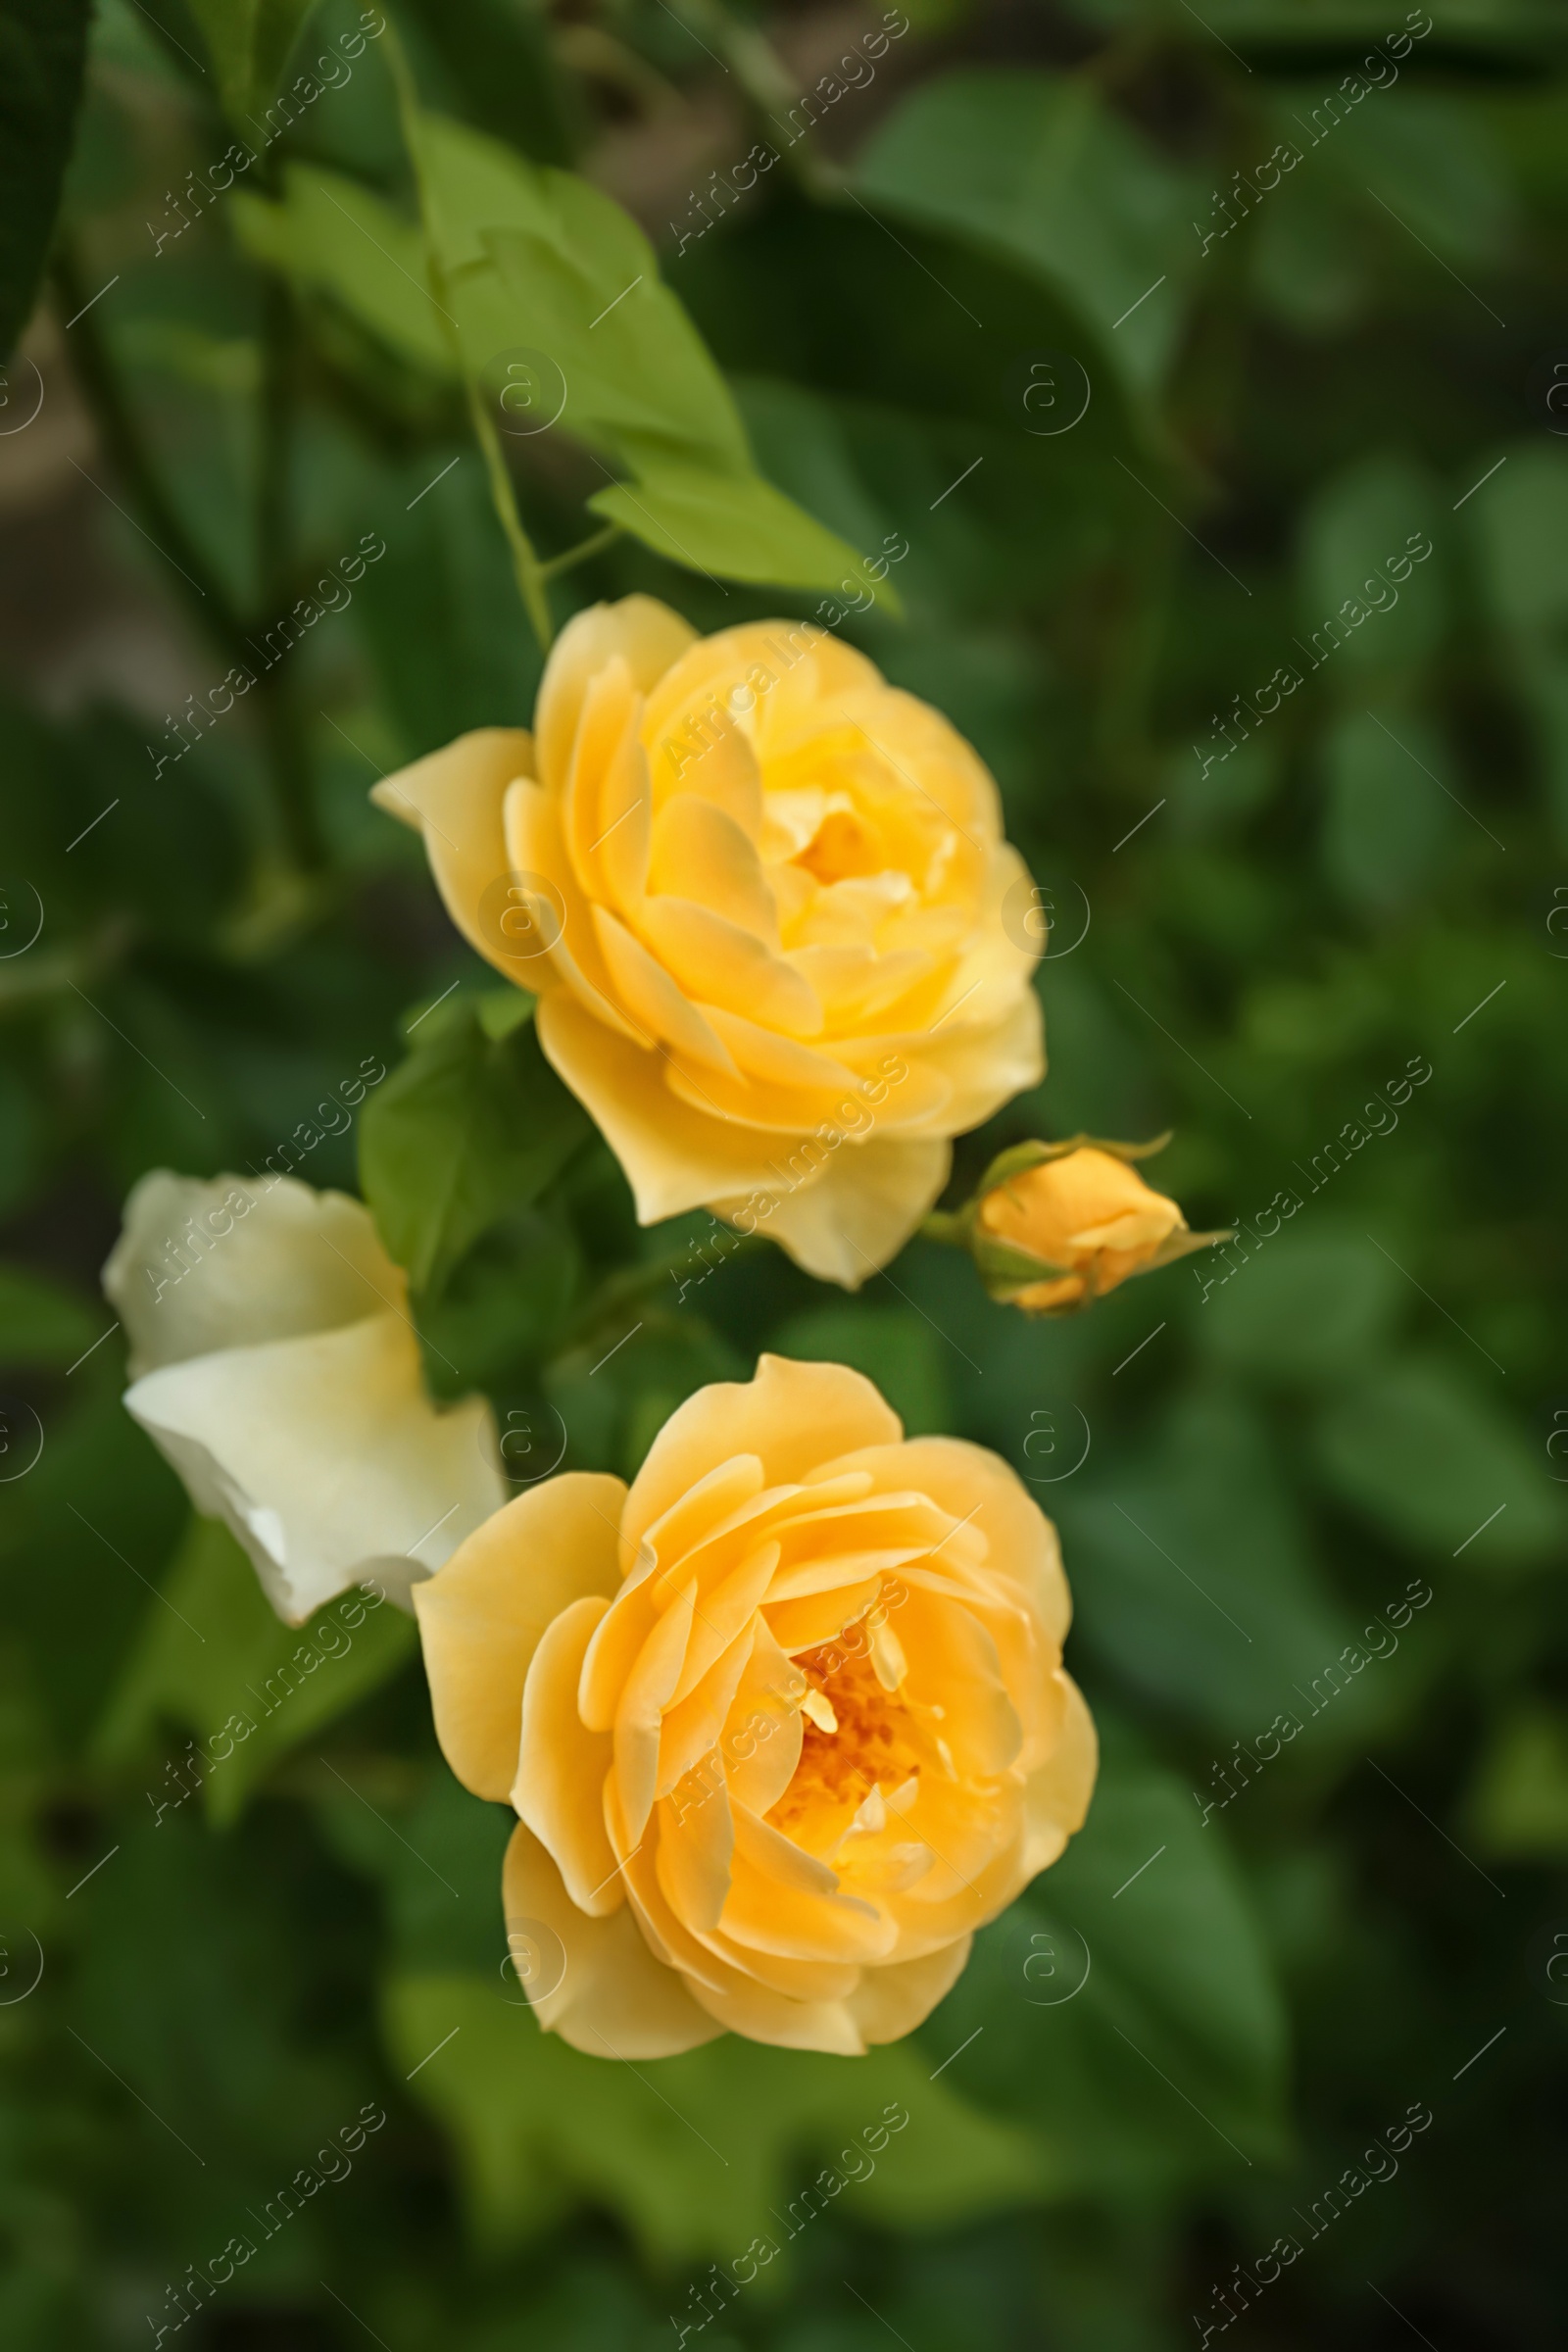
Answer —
1156 2044
1038 167
249 43
696 2154
216 1662
471 1125
43 52
1249 1458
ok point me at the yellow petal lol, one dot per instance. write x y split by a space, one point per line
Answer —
614 2000
454 796
646 635
562 1765
793 1416
481 1619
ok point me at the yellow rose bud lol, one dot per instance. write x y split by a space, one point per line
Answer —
784 1723
760 895
1088 1216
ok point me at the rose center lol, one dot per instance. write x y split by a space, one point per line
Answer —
857 1737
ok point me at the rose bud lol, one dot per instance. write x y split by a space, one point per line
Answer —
1055 1226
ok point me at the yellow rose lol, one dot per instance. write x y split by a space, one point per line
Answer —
759 894
784 1723
1090 1217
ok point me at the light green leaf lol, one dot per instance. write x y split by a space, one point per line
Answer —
736 524
1037 167
693 2154
335 235
212 1657
1425 1454
1130 2017
1518 1807
249 42
1519 523
538 261
469 1127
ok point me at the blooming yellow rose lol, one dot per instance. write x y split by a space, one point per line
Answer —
760 893
784 1723
1087 1215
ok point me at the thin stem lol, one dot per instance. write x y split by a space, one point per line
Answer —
556 564
280 723
200 588
525 564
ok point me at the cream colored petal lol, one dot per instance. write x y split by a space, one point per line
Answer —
326 1458
794 1416
1056 1796
675 1157
858 1212
647 636
455 797
890 2001
480 1622
613 1998
562 1765
237 1261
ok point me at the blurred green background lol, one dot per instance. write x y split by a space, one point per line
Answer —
1292 371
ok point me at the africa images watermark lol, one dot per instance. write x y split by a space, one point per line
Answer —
1382 1118
1381 1639
1381 2162
199 2285
287 109
331 1637
1351 616
805 115
285 634
1284 158
859 2165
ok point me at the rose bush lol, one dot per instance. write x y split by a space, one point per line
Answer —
273 1364
760 893
784 1723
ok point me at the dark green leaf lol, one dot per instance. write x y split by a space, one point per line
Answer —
469 1127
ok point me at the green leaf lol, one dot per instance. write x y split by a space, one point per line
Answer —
736 524
892 1345
1037 167
1191 1571
43 52
1130 2017
1519 523
469 1127
1425 1453
249 42
536 259
331 233
1362 526
1309 1306
693 2154
1385 819
214 1658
